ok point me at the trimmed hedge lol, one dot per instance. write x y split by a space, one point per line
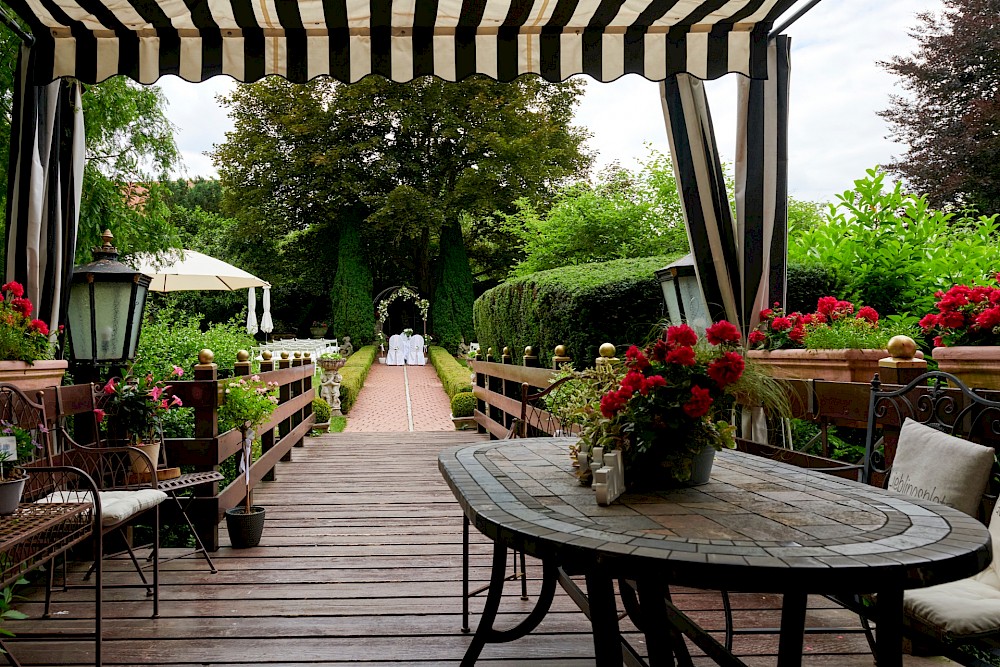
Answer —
580 307
454 376
321 409
806 282
463 404
351 293
451 309
353 374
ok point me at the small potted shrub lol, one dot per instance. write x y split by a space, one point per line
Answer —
25 347
248 403
321 411
463 405
17 445
331 361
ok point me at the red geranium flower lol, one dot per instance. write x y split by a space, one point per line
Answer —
826 305
39 326
756 337
660 351
722 332
636 359
699 403
727 369
683 356
781 324
681 335
989 318
797 334
22 306
928 321
868 313
15 288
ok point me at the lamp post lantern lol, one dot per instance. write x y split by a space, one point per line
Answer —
106 302
682 294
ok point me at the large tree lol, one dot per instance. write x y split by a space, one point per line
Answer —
950 118
419 157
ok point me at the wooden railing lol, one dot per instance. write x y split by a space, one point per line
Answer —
290 422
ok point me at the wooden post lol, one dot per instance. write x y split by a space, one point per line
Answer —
206 425
505 357
489 354
903 366
530 358
298 390
284 395
559 357
267 439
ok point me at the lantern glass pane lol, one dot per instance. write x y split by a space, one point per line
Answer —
140 304
78 316
111 303
695 310
673 305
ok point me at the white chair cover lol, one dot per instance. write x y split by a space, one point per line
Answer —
415 355
396 355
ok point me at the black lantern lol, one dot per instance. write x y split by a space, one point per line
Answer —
105 308
682 294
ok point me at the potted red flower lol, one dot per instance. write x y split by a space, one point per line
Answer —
833 343
966 333
25 345
666 406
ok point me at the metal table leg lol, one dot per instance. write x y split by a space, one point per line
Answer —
604 620
793 625
889 630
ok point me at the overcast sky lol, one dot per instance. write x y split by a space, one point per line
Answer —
836 89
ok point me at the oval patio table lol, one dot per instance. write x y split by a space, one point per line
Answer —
758 526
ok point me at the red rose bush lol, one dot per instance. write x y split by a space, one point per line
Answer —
665 403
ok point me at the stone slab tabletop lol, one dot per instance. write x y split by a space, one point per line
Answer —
758 525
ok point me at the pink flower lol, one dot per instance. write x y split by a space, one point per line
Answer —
109 388
178 371
176 402
156 392
99 415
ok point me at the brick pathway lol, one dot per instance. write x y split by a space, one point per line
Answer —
381 406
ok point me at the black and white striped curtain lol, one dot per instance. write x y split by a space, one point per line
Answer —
740 264
45 180
762 183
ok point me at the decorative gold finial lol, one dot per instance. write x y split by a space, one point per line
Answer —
489 351
284 355
607 350
266 355
206 356
298 355
560 351
506 352
901 347
307 355
528 352
242 355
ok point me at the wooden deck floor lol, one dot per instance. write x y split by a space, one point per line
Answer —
361 564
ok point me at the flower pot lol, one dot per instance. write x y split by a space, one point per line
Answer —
831 365
317 332
10 494
322 427
701 467
978 366
330 364
245 529
463 423
152 450
31 378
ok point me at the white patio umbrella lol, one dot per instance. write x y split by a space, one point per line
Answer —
186 270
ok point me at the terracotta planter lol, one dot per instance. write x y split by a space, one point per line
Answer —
830 365
139 464
977 366
31 378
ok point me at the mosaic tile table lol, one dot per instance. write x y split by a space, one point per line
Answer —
758 525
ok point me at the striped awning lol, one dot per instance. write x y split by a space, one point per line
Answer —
93 40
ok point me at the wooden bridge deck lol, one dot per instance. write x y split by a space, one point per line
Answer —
361 564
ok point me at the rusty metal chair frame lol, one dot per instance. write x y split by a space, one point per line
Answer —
36 533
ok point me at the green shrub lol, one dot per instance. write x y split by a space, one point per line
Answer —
451 309
454 376
354 373
175 338
806 282
321 410
351 293
580 307
463 404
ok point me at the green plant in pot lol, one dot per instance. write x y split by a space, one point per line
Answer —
17 446
321 411
331 360
248 402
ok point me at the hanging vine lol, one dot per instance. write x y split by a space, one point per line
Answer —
403 292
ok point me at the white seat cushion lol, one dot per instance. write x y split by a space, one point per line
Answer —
961 609
116 506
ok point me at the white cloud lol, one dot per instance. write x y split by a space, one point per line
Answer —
836 89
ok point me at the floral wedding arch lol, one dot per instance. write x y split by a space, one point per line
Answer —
403 292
